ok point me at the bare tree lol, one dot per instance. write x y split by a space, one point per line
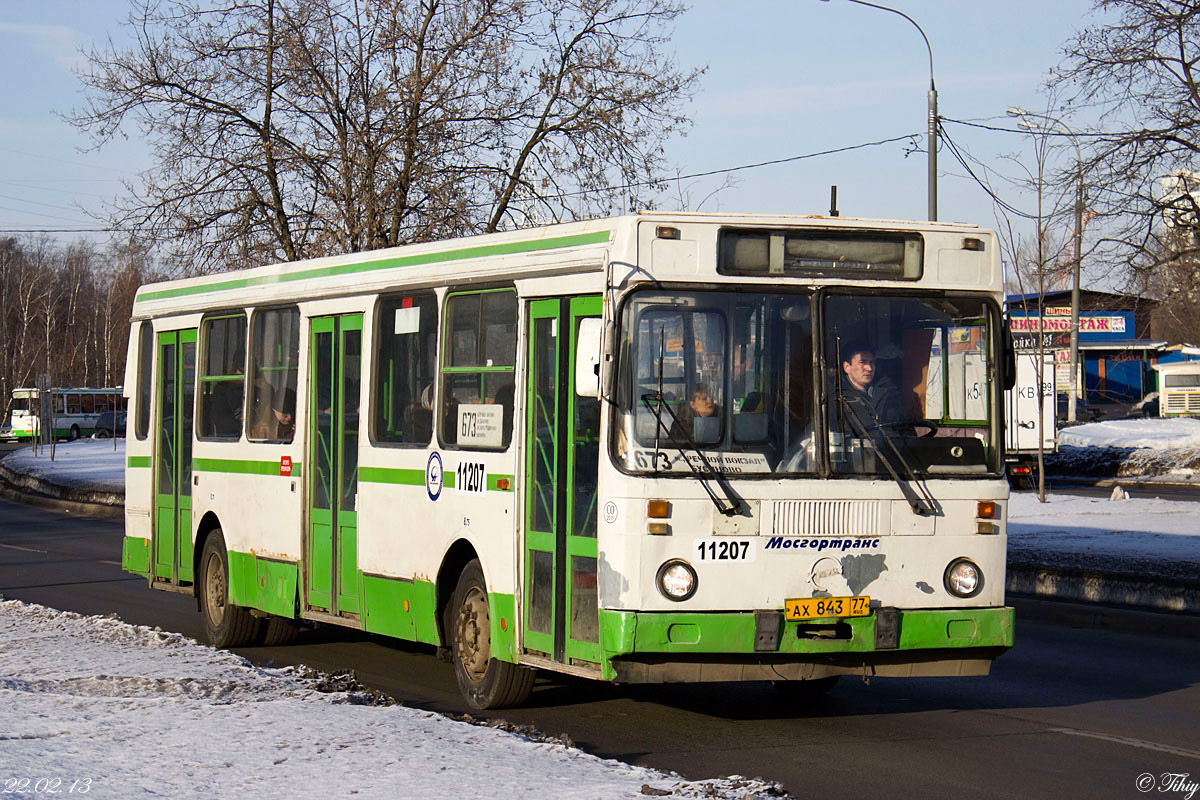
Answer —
1138 69
64 310
286 129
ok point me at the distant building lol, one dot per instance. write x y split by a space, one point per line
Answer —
1115 343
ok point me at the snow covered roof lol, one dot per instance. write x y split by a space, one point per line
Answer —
1122 344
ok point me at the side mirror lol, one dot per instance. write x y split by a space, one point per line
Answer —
587 357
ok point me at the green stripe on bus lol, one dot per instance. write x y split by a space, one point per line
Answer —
627 632
135 555
405 477
239 466
136 462
483 251
416 477
263 583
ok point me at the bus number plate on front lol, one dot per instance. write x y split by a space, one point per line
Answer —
825 607
724 550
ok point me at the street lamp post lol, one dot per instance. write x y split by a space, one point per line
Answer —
933 112
1072 399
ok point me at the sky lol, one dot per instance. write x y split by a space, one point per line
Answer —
785 78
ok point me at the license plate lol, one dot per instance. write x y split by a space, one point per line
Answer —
825 607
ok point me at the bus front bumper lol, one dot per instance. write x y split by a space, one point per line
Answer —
663 647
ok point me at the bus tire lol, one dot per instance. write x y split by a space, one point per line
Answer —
279 631
74 434
225 625
799 690
485 682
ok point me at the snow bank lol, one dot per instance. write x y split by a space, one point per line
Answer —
1180 433
85 463
132 712
1142 535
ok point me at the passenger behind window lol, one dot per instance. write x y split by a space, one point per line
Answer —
283 416
418 417
225 409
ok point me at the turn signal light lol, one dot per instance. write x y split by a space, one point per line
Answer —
985 509
658 509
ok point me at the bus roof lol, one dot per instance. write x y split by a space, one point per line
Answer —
529 252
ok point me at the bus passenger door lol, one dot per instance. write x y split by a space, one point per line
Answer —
176 390
332 547
562 455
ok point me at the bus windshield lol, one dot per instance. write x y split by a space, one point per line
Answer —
732 381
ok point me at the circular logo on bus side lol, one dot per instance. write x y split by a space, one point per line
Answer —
610 512
433 476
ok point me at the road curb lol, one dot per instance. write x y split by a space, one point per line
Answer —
1123 591
1126 483
1105 617
36 492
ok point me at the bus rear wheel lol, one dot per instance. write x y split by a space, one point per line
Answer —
485 682
225 625
279 631
74 434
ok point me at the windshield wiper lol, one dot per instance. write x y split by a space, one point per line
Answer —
735 505
924 505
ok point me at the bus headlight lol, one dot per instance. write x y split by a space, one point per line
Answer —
677 580
963 578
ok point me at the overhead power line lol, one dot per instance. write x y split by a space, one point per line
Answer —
912 137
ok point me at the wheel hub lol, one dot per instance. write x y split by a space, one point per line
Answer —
474 635
214 585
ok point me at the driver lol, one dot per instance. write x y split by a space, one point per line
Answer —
862 388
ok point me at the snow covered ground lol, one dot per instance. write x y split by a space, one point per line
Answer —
1131 533
94 704
85 463
1177 433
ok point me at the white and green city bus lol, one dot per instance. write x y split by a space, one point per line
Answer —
74 411
490 445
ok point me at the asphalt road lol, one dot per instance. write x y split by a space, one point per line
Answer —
1068 713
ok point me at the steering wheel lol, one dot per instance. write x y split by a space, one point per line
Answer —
930 425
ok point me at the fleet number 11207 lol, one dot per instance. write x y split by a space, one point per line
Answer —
721 550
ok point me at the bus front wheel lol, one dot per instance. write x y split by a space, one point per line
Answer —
484 681
225 625
74 434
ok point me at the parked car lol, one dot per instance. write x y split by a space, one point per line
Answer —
110 423
1146 407
1083 412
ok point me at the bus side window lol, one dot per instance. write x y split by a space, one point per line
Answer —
478 368
405 371
274 361
223 378
145 379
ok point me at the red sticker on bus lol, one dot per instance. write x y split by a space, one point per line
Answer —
285 466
